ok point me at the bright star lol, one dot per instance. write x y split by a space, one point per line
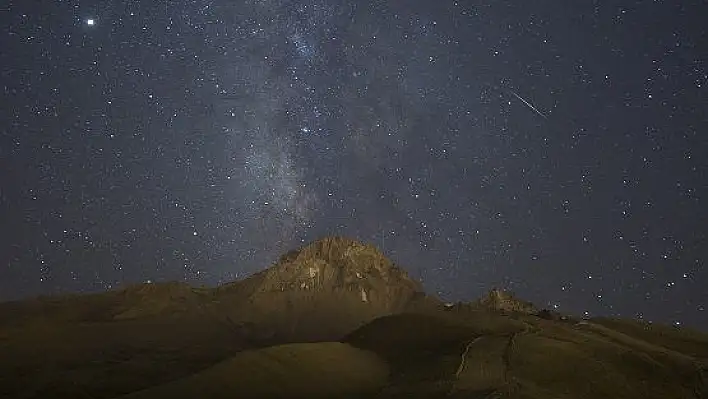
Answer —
90 22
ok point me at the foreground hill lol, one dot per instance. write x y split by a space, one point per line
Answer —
332 319
474 355
312 370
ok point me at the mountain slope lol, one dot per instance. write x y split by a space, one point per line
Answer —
492 354
394 341
310 370
116 342
322 291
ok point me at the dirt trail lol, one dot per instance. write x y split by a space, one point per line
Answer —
463 356
528 329
506 356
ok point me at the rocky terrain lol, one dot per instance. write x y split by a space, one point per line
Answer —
334 319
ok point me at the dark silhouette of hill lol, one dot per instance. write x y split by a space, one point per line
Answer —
338 319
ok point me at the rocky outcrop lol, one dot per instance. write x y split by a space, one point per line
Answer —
325 290
340 264
500 300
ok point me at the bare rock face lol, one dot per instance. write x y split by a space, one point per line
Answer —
326 289
504 301
337 264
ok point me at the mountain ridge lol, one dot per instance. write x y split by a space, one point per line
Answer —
333 318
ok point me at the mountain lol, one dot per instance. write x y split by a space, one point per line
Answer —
322 291
504 301
337 319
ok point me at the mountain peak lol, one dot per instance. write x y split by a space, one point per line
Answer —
339 263
331 249
502 300
326 289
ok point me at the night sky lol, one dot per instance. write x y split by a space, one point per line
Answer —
557 149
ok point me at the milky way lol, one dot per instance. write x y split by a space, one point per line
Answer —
558 151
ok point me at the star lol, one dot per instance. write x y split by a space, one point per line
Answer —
506 150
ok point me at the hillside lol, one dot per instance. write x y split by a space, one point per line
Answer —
312 370
338 319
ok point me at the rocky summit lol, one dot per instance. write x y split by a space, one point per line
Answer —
333 319
343 265
504 301
322 291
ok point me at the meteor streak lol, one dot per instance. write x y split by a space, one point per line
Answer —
528 104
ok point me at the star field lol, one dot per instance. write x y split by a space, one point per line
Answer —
557 150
